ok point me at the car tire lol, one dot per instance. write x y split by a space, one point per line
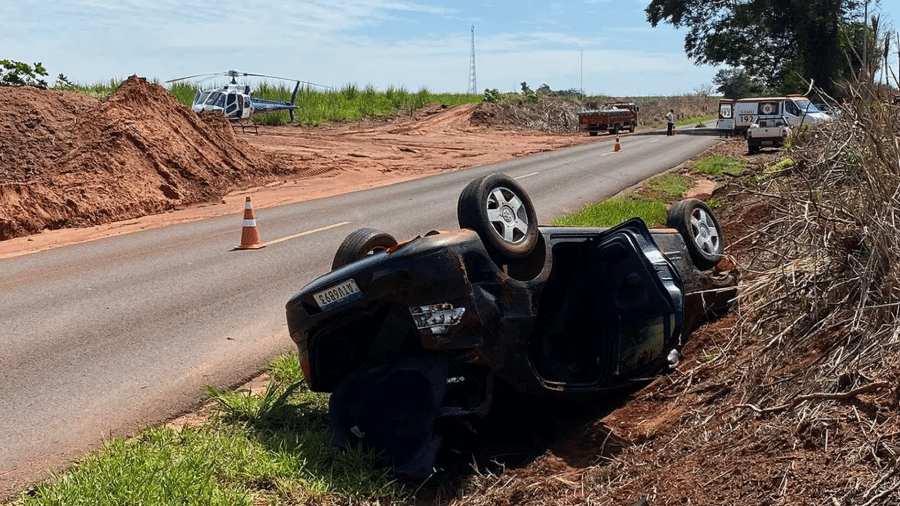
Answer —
360 244
700 229
501 212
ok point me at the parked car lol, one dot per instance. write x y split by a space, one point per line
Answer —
767 131
403 334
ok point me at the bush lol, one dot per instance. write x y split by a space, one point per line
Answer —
15 73
492 96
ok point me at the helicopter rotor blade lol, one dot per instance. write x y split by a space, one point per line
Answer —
314 84
233 74
193 76
287 79
265 75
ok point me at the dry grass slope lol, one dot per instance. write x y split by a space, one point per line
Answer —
794 398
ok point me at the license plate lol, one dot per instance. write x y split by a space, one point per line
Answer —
336 293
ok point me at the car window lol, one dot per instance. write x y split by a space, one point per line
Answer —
725 111
808 106
792 108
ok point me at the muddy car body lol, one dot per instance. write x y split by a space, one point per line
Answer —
404 334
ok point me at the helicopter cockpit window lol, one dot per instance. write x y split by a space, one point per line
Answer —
201 97
220 100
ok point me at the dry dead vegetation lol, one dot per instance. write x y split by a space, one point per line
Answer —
824 310
560 115
791 400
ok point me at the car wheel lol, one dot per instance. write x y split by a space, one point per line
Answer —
499 210
700 229
360 244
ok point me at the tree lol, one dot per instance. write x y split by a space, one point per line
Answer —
14 73
784 42
738 83
704 90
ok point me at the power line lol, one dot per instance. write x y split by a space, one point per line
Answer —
473 88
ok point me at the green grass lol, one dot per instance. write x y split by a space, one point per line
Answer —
693 122
670 186
270 448
316 106
352 104
781 166
286 369
650 203
716 166
616 210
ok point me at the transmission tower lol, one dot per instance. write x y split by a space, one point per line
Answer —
473 88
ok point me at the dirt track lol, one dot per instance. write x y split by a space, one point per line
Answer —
76 168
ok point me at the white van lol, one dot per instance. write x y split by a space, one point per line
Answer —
795 109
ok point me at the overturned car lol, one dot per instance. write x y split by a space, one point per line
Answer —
404 334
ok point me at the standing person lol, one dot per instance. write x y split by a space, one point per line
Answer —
670 117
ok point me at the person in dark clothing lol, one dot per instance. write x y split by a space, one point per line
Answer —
670 118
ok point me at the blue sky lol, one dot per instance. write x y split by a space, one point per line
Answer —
602 46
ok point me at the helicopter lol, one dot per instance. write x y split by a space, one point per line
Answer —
236 101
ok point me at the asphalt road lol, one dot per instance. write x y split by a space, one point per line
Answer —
102 338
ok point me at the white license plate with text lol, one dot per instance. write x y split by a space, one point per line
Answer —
336 293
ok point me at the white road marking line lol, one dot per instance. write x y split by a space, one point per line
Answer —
526 175
301 234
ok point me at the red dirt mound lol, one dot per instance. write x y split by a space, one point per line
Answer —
71 160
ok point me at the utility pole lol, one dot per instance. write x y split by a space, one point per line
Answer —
473 87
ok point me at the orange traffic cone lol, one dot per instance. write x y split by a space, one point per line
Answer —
618 146
250 233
